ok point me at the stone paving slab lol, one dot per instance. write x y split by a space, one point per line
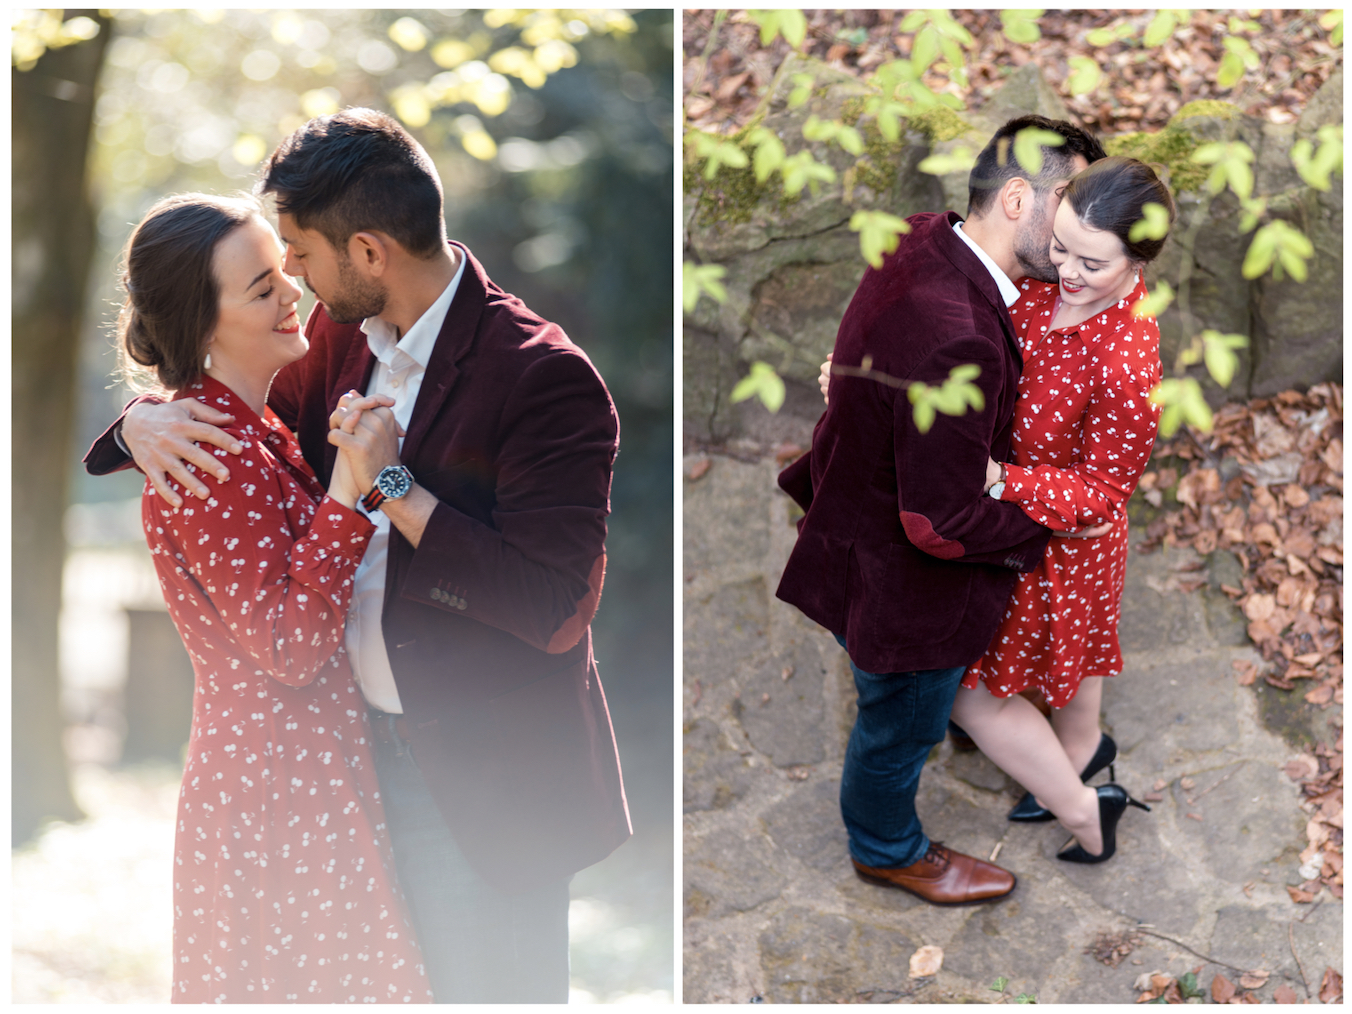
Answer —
772 906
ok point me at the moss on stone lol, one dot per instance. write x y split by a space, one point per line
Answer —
1206 107
1172 147
940 123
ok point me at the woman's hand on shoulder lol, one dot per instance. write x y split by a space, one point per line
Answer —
824 379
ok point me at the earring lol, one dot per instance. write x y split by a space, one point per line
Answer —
207 364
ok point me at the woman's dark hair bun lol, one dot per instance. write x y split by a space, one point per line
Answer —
172 299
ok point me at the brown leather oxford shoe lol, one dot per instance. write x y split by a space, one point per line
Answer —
943 877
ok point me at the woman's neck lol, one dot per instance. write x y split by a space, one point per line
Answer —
249 386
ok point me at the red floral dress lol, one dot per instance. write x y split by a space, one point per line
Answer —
284 889
1083 432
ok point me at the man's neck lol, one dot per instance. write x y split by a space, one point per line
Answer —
420 284
998 245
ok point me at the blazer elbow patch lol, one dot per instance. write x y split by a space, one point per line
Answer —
923 536
576 625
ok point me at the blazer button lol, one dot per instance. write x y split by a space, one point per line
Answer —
461 604
436 594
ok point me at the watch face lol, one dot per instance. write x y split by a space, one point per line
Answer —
394 482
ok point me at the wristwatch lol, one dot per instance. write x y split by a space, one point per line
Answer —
392 483
998 487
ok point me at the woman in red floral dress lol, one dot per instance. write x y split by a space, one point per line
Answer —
284 889
1084 430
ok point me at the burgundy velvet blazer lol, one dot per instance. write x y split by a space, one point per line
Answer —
487 622
899 551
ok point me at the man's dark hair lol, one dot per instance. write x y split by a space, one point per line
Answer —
355 170
996 165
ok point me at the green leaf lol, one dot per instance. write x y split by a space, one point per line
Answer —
1221 361
1085 75
1283 243
1028 145
960 159
787 22
1021 26
1025 998
924 48
1333 21
957 62
762 382
802 89
802 170
769 152
717 152
998 986
1231 70
879 234
1316 168
1187 985
912 21
1182 402
951 398
1253 210
1153 304
1161 26
1155 224
833 130
947 26
701 278
888 114
1231 160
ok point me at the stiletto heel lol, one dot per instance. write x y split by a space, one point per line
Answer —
1112 803
1027 810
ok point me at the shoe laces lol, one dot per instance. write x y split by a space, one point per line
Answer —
937 854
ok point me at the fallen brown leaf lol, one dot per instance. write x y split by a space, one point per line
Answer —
1284 994
927 961
1222 989
698 469
1255 979
1298 896
1320 695
1331 989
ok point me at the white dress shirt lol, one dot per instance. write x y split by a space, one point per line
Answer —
400 365
1007 290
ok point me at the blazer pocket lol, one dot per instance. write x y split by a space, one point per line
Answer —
911 598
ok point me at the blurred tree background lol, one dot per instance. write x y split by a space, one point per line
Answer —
552 132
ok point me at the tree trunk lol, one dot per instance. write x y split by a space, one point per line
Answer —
53 240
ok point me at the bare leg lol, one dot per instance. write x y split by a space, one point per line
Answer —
1013 734
1077 724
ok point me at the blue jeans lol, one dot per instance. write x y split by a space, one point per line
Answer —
479 944
902 716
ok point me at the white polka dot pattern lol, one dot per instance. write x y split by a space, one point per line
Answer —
1083 432
284 888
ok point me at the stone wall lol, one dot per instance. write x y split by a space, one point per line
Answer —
792 265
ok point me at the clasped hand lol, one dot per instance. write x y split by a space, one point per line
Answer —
364 430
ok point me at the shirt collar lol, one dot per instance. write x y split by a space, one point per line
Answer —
421 338
1007 291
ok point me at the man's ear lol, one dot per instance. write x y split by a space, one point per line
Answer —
1016 197
370 252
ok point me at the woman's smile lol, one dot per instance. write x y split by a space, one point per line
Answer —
289 325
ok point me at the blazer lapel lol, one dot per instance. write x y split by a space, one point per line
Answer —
970 265
454 340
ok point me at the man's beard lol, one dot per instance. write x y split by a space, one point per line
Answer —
1032 245
357 298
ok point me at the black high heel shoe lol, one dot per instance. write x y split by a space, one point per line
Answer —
1027 810
1112 803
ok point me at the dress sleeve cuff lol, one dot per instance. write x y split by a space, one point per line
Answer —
1018 483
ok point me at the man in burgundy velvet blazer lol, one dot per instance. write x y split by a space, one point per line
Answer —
487 606
900 554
